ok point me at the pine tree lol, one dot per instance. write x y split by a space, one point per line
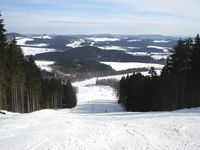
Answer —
152 72
22 88
15 77
3 46
70 95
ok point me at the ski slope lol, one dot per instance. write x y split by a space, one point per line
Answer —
99 123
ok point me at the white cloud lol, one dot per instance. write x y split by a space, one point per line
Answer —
114 16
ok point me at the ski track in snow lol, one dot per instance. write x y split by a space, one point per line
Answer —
98 123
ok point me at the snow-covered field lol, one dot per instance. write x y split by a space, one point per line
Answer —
75 44
165 49
135 40
42 37
95 39
33 49
99 123
118 66
36 50
161 41
155 56
22 41
112 48
45 65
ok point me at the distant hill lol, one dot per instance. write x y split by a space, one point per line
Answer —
13 34
87 58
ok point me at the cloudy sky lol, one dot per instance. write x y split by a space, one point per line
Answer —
168 17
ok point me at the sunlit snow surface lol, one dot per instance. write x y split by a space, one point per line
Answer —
22 41
161 41
45 65
165 49
75 44
36 50
135 40
93 126
33 49
112 48
118 66
95 39
99 123
42 37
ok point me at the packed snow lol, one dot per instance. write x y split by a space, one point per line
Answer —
97 123
45 65
103 39
165 49
119 66
36 50
112 48
75 44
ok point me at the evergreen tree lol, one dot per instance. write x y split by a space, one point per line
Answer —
70 100
22 87
3 46
177 87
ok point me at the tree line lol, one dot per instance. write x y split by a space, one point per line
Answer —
22 87
177 87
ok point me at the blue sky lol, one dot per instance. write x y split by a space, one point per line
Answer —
168 17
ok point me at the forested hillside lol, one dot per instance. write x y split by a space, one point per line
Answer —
177 87
22 88
87 59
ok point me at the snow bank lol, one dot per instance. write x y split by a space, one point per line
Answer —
36 50
103 39
118 66
45 65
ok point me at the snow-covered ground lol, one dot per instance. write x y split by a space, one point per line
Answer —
42 37
112 48
22 41
165 49
155 56
118 66
45 65
99 123
135 40
75 44
161 41
35 50
95 39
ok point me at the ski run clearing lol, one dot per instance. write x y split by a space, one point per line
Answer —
99 123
